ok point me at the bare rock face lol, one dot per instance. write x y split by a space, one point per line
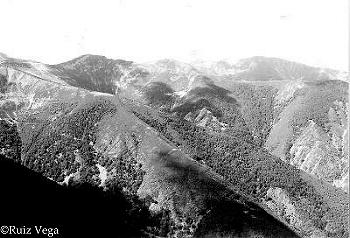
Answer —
176 74
295 212
313 153
338 126
322 154
206 119
343 182
288 91
280 202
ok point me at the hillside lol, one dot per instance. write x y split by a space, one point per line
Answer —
200 155
305 123
93 72
80 138
301 201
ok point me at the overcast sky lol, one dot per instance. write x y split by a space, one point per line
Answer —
314 32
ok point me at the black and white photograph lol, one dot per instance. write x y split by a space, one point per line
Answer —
174 118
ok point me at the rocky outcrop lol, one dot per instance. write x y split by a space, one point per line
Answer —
175 73
322 154
313 153
280 202
343 182
295 211
206 120
338 127
287 92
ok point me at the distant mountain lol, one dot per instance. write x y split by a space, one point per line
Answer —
261 68
99 73
176 74
3 56
93 72
171 65
215 68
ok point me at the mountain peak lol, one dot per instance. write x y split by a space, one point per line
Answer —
93 59
3 56
173 64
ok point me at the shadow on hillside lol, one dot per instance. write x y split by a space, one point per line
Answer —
226 213
158 93
29 199
212 97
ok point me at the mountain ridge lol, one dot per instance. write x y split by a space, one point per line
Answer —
66 130
134 136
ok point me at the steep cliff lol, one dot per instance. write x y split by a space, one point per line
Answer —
206 120
322 154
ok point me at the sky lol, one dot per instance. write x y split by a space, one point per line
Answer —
314 32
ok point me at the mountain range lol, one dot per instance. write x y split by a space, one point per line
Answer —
253 149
